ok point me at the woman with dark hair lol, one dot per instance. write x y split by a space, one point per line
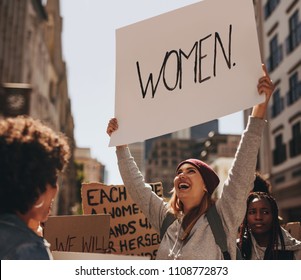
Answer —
190 236
260 184
261 236
31 155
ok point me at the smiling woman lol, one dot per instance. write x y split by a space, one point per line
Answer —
190 235
194 184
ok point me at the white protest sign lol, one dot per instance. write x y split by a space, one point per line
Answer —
185 67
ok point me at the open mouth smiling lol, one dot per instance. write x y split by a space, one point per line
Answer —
183 186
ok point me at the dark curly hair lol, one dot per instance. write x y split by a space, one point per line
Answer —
31 155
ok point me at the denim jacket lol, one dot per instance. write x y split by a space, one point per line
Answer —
18 242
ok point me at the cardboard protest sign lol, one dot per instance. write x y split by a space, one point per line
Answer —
185 67
294 228
130 231
78 233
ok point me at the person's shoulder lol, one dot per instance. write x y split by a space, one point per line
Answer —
30 250
14 228
17 241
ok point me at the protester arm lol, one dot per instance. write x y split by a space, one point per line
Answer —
153 206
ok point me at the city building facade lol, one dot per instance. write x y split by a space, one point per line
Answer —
279 31
167 153
33 78
93 170
163 158
163 153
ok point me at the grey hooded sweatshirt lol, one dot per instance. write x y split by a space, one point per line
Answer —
200 243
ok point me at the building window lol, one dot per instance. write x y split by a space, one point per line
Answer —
280 179
164 145
278 104
275 54
164 153
154 154
52 93
279 154
294 89
269 7
296 173
294 38
149 173
295 142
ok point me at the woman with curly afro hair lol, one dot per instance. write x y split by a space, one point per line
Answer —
31 156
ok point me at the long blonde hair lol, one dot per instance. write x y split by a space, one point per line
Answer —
190 218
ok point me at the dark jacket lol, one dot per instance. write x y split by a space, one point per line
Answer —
18 242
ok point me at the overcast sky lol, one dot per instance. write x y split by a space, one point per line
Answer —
89 52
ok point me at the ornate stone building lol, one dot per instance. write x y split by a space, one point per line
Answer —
33 78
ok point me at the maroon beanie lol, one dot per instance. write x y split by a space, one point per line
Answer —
210 178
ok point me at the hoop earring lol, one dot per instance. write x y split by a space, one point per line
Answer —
39 205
